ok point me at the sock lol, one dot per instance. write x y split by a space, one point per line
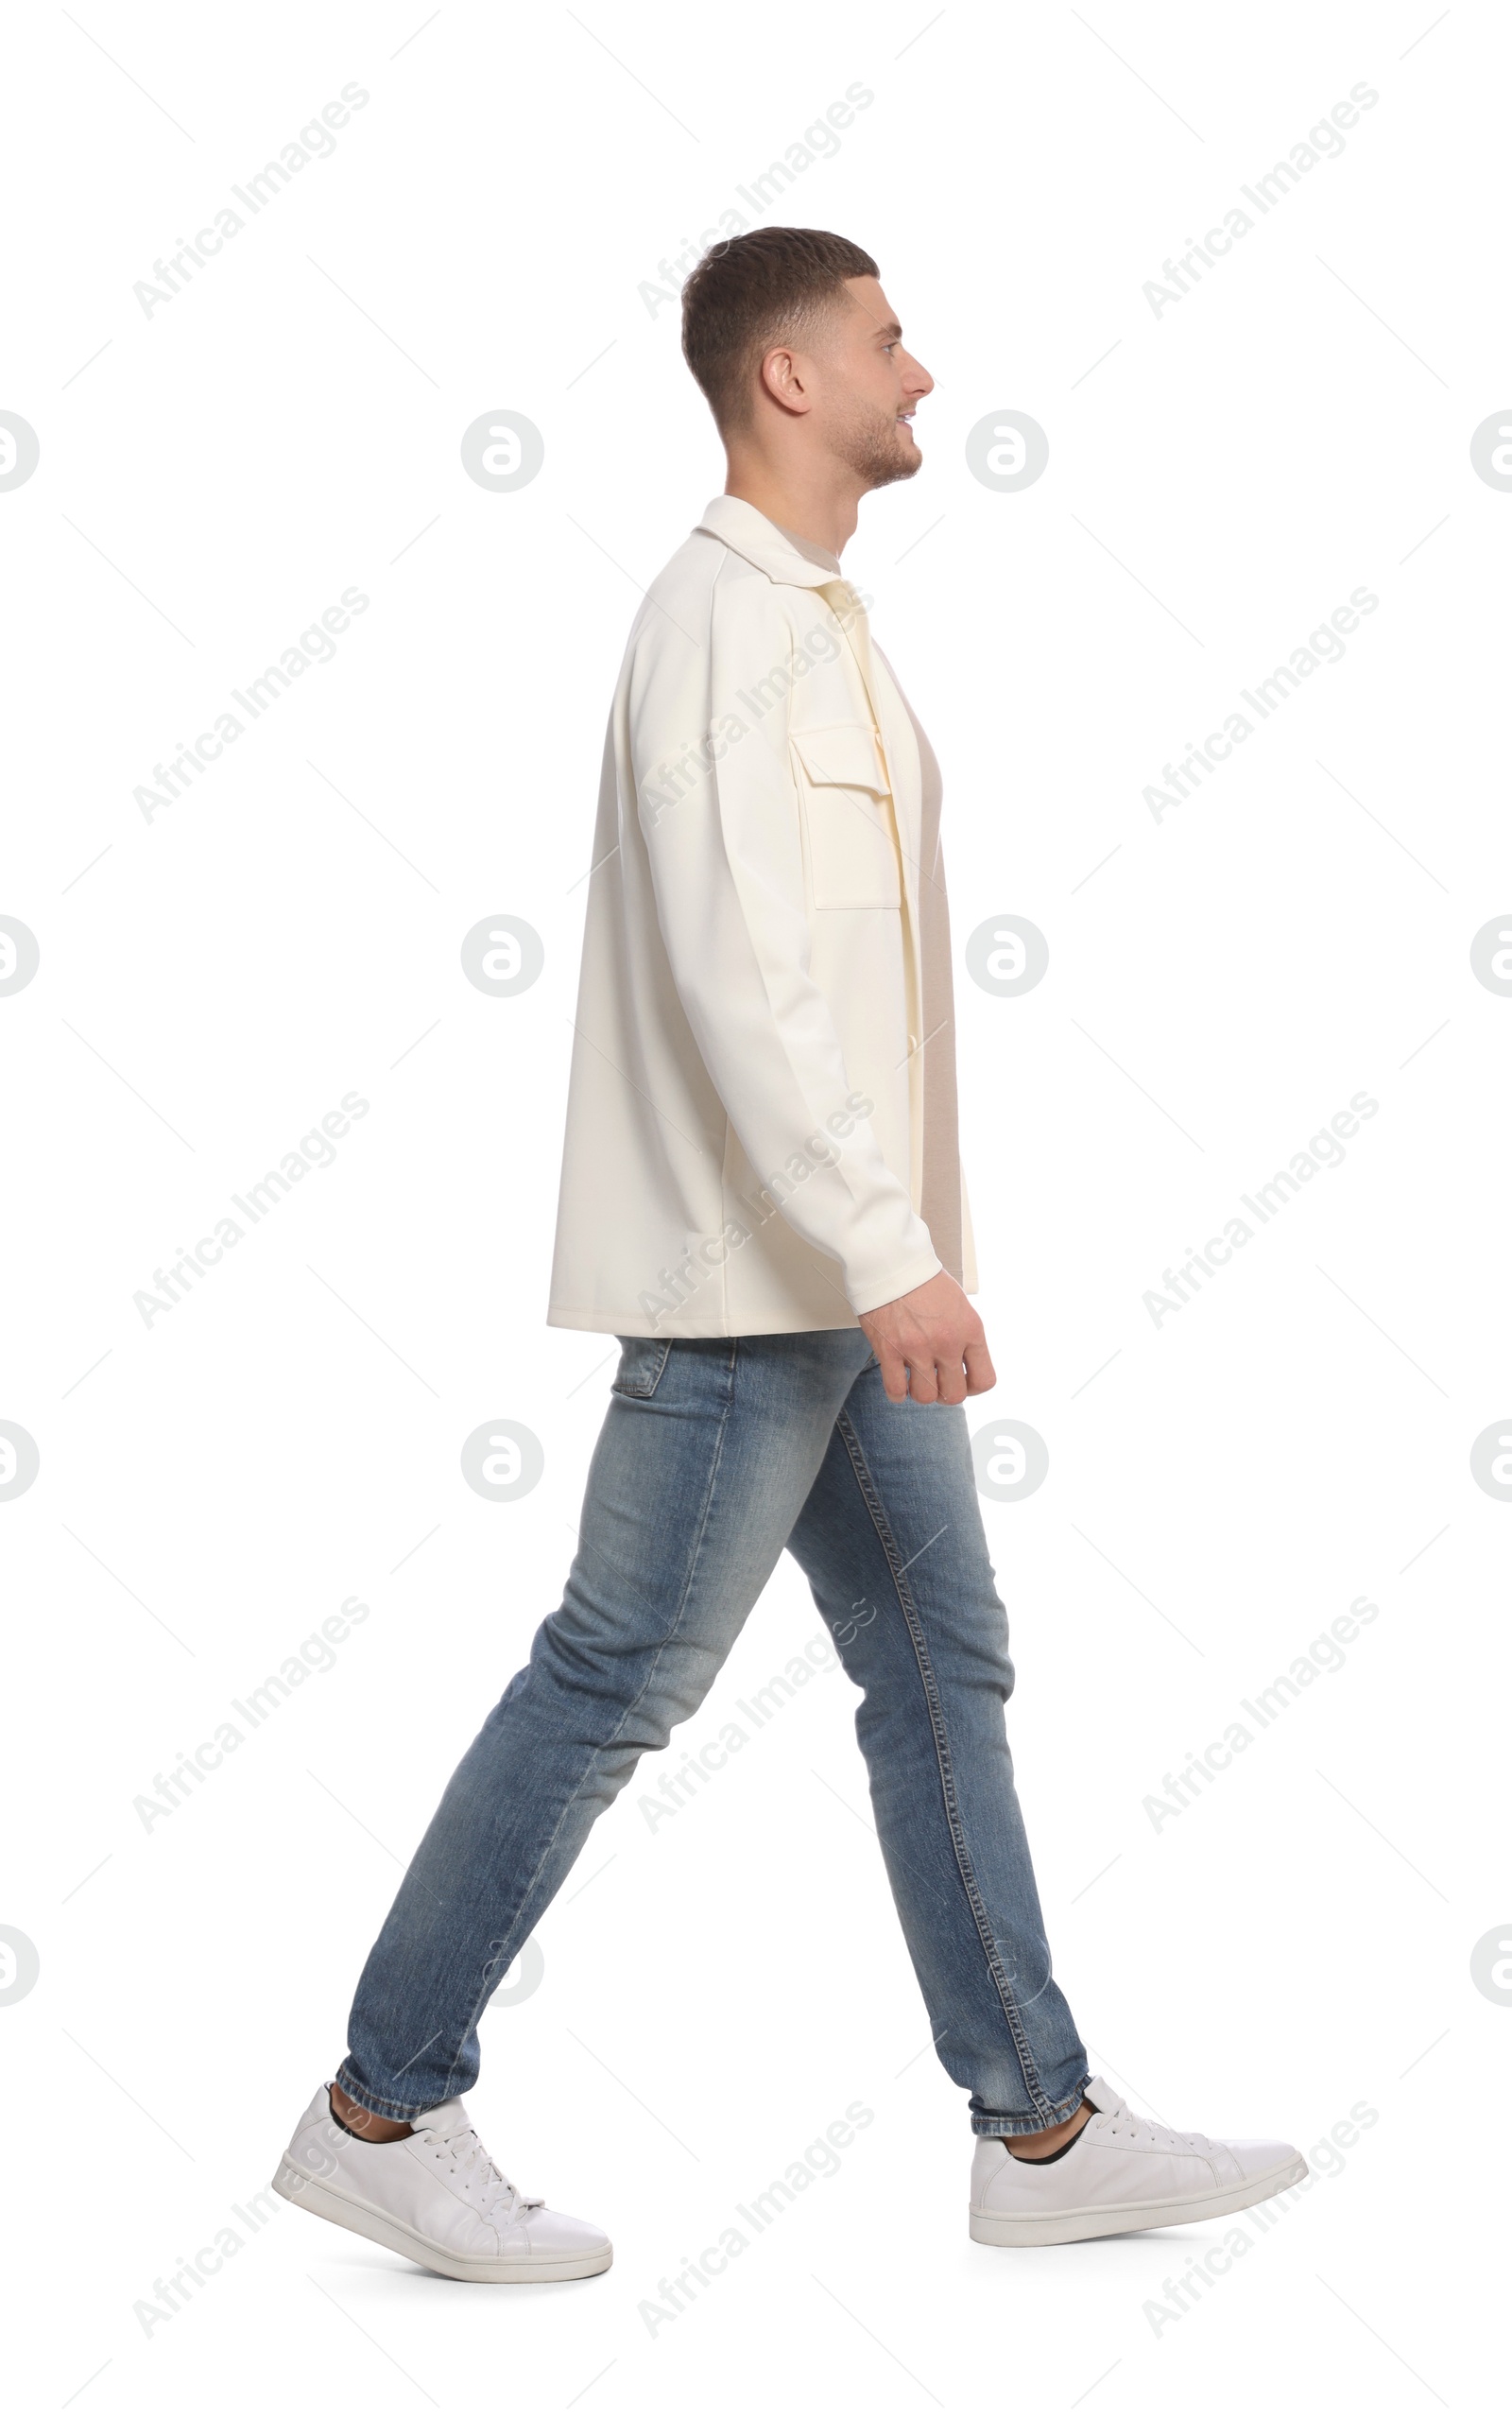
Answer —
1055 2154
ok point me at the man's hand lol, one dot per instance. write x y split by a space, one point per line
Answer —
930 1343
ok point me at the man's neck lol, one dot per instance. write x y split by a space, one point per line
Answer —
814 511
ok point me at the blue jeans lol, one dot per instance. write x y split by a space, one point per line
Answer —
713 1455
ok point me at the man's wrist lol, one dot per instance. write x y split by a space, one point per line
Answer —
901 1280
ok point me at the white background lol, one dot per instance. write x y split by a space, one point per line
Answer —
1221 1486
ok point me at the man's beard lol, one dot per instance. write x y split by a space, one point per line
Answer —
871 444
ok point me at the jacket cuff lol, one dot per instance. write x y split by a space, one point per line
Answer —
917 1271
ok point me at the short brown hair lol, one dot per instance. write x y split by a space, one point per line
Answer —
750 292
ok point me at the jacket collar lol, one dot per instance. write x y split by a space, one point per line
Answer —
759 541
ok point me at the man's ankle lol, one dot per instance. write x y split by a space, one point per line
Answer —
1030 2147
361 2121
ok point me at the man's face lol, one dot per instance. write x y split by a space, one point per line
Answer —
869 386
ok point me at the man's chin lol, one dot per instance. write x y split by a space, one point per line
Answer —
900 460
899 465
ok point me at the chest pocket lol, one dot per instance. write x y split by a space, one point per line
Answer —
846 817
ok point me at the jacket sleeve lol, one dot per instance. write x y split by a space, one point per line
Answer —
718 807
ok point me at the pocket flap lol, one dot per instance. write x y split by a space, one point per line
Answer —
842 753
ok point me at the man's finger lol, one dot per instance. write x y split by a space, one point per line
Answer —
981 1376
894 1372
923 1385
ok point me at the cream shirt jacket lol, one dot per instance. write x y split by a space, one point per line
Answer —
744 1149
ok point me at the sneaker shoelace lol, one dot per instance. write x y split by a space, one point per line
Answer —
1120 2117
483 2180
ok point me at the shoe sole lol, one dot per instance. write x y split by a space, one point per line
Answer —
1138 2217
302 2191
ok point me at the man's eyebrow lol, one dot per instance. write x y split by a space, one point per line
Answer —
890 333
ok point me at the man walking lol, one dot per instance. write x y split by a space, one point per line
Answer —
762 1199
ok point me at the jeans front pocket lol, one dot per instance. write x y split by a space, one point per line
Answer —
642 1358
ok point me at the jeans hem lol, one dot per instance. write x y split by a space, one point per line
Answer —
998 2128
373 2101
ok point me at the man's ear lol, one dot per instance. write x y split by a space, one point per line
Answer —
783 375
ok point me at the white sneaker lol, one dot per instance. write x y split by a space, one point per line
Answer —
435 2197
1121 2175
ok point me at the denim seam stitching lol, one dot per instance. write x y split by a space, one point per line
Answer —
682 1602
942 1756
